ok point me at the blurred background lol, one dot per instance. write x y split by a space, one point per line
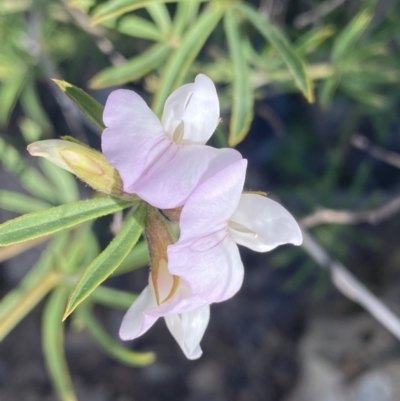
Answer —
289 334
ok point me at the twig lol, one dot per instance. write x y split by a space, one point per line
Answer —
362 143
102 42
375 216
349 286
312 16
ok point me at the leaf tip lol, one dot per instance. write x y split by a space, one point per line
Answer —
68 311
63 85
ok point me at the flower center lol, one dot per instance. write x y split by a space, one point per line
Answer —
241 228
178 133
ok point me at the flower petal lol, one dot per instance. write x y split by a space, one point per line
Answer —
174 108
188 329
176 174
134 138
210 265
272 225
211 205
182 301
197 106
136 321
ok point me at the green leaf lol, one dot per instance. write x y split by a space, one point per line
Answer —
185 15
104 265
9 92
90 107
132 69
32 288
243 101
32 107
347 39
51 220
53 343
138 27
30 178
81 249
114 8
310 41
20 203
282 45
27 300
110 346
30 129
328 89
63 181
180 61
138 257
113 298
160 15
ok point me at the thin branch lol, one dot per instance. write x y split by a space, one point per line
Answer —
375 216
362 143
97 32
349 286
314 15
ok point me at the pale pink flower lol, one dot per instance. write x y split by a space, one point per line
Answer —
163 162
215 218
185 314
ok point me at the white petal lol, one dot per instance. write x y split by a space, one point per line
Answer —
269 224
134 137
188 329
136 322
174 108
182 301
179 171
210 265
197 106
210 206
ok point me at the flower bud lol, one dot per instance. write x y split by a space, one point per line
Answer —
86 163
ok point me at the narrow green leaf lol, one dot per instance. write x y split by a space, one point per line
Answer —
180 61
113 298
29 177
32 106
243 101
138 27
30 129
104 265
81 249
282 45
160 15
345 42
53 345
138 257
328 89
311 40
114 8
110 346
27 300
63 181
132 69
20 203
9 92
90 107
32 288
51 220
185 15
